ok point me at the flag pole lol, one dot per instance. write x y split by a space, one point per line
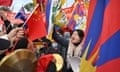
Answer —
30 15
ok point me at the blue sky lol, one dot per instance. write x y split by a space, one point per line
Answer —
17 4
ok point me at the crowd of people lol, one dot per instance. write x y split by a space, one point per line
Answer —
68 44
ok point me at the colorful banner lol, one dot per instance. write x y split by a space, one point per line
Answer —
101 48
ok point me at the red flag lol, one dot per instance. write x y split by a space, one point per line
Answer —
5 2
36 25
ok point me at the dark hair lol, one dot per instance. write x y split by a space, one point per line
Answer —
80 34
22 43
51 67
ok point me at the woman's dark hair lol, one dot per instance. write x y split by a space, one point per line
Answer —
80 34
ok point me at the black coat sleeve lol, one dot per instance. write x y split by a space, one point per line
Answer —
60 40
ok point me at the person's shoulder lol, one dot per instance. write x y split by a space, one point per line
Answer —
5 36
4 44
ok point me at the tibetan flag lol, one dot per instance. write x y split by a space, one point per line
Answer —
109 55
76 11
102 37
5 2
36 26
21 14
35 2
68 11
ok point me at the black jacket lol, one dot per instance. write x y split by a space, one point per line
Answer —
63 45
8 26
60 40
4 44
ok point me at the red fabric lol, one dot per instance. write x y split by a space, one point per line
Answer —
110 23
43 62
5 2
111 26
38 1
111 66
68 11
79 1
44 18
111 20
36 25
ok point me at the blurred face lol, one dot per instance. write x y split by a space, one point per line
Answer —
75 37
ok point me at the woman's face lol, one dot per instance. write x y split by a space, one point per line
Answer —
75 37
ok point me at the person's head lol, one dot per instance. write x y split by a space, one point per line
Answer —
77 36
22 43
51 67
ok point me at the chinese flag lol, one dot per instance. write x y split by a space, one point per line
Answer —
36 26
5 2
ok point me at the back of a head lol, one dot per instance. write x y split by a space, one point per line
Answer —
22 43
51 67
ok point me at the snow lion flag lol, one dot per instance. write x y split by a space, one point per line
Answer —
102 43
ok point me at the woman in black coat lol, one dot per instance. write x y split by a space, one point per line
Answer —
72 46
